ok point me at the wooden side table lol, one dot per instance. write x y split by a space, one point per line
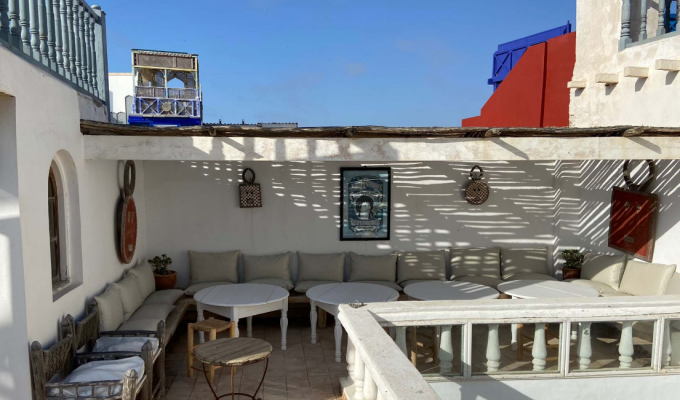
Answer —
234 352
212 327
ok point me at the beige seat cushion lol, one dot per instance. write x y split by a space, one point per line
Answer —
261 267
145 279
197 287
411 282
150 324
152 311
480 280
674 285
280 282
601 288
321 267
523 261
643 279
304 286
389 284
110 309
614 294
421 265
130 294
476 262
373 268
604 269
168 296
214 267
531 277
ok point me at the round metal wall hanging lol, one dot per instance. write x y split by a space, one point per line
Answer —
250 192
127 215
477 191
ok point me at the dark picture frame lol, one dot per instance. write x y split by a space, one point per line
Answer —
365 203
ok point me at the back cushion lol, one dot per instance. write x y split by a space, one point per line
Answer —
476 262
421 265
110 308
321 267
373 268
211 267
523 261
130 295
144 274
646 279
603 269
260 267
674 285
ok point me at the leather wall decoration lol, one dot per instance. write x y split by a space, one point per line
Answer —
250 192
632 226
127 215
477 191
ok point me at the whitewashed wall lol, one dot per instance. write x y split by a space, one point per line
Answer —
47 114
120 86
633 101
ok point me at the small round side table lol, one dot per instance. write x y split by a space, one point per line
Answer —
234 352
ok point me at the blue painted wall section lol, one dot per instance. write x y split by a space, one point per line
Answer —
508 54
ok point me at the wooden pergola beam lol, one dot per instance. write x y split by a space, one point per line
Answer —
366 132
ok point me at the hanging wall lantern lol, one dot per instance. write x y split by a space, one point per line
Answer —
249 191
477 191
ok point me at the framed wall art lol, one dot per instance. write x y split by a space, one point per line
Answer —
365 199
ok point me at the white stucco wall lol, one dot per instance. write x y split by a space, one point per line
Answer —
47 121
120 86
632 101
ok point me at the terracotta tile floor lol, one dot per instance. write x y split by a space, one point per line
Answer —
303 371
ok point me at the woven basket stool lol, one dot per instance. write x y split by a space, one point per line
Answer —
212 327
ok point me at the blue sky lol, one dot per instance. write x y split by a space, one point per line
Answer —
334 62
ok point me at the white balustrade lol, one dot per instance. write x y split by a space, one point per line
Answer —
445 350
626 345
370 389
584 349
493 349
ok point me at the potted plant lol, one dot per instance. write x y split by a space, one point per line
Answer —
573 259
165 278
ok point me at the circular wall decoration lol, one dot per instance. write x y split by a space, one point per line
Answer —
477 191
127 215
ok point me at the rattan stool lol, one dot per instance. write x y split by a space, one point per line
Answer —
212 327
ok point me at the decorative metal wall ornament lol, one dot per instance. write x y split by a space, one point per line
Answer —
250 192
127 215
632 225
365 198
477 191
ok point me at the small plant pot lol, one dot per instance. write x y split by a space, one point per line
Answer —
571 273
164 282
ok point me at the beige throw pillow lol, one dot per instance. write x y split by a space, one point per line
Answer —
211 267
421 265
321 267
603 269
130 295
110 309
373 268
524 261
261 267
145 279
476 262
643 279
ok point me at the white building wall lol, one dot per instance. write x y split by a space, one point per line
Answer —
47 121
632 101
120 86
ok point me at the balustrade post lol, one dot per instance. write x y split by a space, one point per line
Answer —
66 45
57 37
338 340
584 349
50 35
493 349
14 25
71 41
34 25
24 16
625 26
350 357
643 20
445 351
401 339
102 64
93 61
88 48
661 28
76 44
370 389
667 349
539 351
513 336
42 20
4 20
626 345
359 371
83 49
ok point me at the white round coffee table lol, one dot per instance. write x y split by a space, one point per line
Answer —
328 297
244 300
442 346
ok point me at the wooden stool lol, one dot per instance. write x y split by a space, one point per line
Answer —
212 327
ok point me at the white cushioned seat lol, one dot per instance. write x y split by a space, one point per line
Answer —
373 268
321 267
602 289
391 285
110 307
481 280
476 262
214 267
197 287
154 311
603 268
149 324
98 371
411 282
646 279
421 265
145 279
614 294
280 282
130 295
304 286
108 344
530 277
673 284
523 261
169 296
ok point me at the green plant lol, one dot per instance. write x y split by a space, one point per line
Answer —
572 258
160 264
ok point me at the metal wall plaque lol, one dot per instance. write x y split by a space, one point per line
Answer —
250 192
127 215
365 198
